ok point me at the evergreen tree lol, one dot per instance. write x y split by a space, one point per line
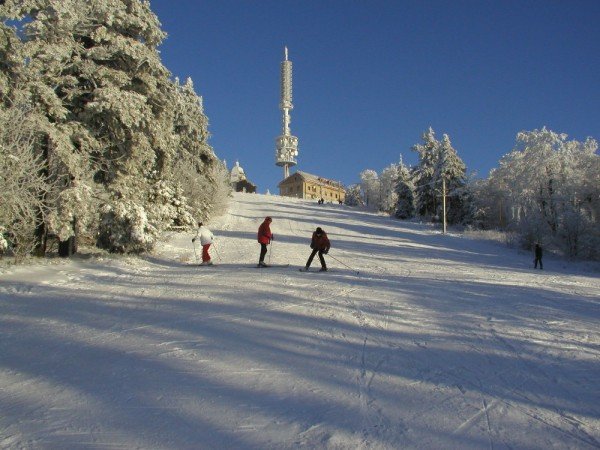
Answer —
451 168
203 179
353 196
424 174
405 206
116 128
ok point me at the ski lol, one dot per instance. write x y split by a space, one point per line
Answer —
258 266
302 269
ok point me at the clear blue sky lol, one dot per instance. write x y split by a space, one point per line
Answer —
371 76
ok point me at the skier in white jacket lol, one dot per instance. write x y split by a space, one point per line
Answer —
206 239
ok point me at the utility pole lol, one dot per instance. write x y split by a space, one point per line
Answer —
444 201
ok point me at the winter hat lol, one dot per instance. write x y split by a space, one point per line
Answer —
268 219
319 230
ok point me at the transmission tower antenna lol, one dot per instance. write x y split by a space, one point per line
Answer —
286 145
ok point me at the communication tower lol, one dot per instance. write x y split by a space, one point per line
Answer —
286 145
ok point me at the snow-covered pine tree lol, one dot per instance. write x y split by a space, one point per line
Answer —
424 174
202 177
450 167
47 78
114 126
353 196
11 58
405 206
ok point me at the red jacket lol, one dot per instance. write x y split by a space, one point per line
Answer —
320 242
264 232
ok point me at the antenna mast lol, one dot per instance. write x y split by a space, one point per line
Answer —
286 145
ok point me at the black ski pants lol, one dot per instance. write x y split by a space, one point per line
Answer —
312 255
263 252
535 263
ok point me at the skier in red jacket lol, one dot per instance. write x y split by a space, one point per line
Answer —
264 238
320 244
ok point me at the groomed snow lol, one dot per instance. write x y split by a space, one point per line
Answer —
438 342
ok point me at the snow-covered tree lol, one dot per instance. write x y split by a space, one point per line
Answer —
353 196
203 179
116 124
427 198
550 186
125 228
405 206
23 184
452 169
388 179
438 161
371 187
3 241
212 192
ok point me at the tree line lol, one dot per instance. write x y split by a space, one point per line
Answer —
99 143
546 190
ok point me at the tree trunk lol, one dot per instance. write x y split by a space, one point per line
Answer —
41 233
67 248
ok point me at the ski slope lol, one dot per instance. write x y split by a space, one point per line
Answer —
438 342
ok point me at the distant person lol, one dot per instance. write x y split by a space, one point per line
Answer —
264 238
320 244
538 257
206 239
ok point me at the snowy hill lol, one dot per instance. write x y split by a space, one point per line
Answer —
438 342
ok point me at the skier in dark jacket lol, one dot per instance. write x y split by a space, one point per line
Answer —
320 244
264 238
538 257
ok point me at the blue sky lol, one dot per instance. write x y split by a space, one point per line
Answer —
371 76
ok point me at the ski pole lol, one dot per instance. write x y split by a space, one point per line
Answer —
270 250
344 264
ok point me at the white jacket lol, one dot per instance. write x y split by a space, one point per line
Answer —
206 236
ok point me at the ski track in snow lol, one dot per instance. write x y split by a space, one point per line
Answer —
438 342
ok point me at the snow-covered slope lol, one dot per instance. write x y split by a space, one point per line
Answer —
438 342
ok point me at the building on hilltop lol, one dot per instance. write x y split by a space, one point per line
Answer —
238 180
299 184
305 185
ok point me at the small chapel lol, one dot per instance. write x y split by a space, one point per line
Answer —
238 180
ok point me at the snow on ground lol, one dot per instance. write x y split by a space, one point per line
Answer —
438 342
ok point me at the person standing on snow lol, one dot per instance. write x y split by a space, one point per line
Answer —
264 238
538 257
206 239
320 244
